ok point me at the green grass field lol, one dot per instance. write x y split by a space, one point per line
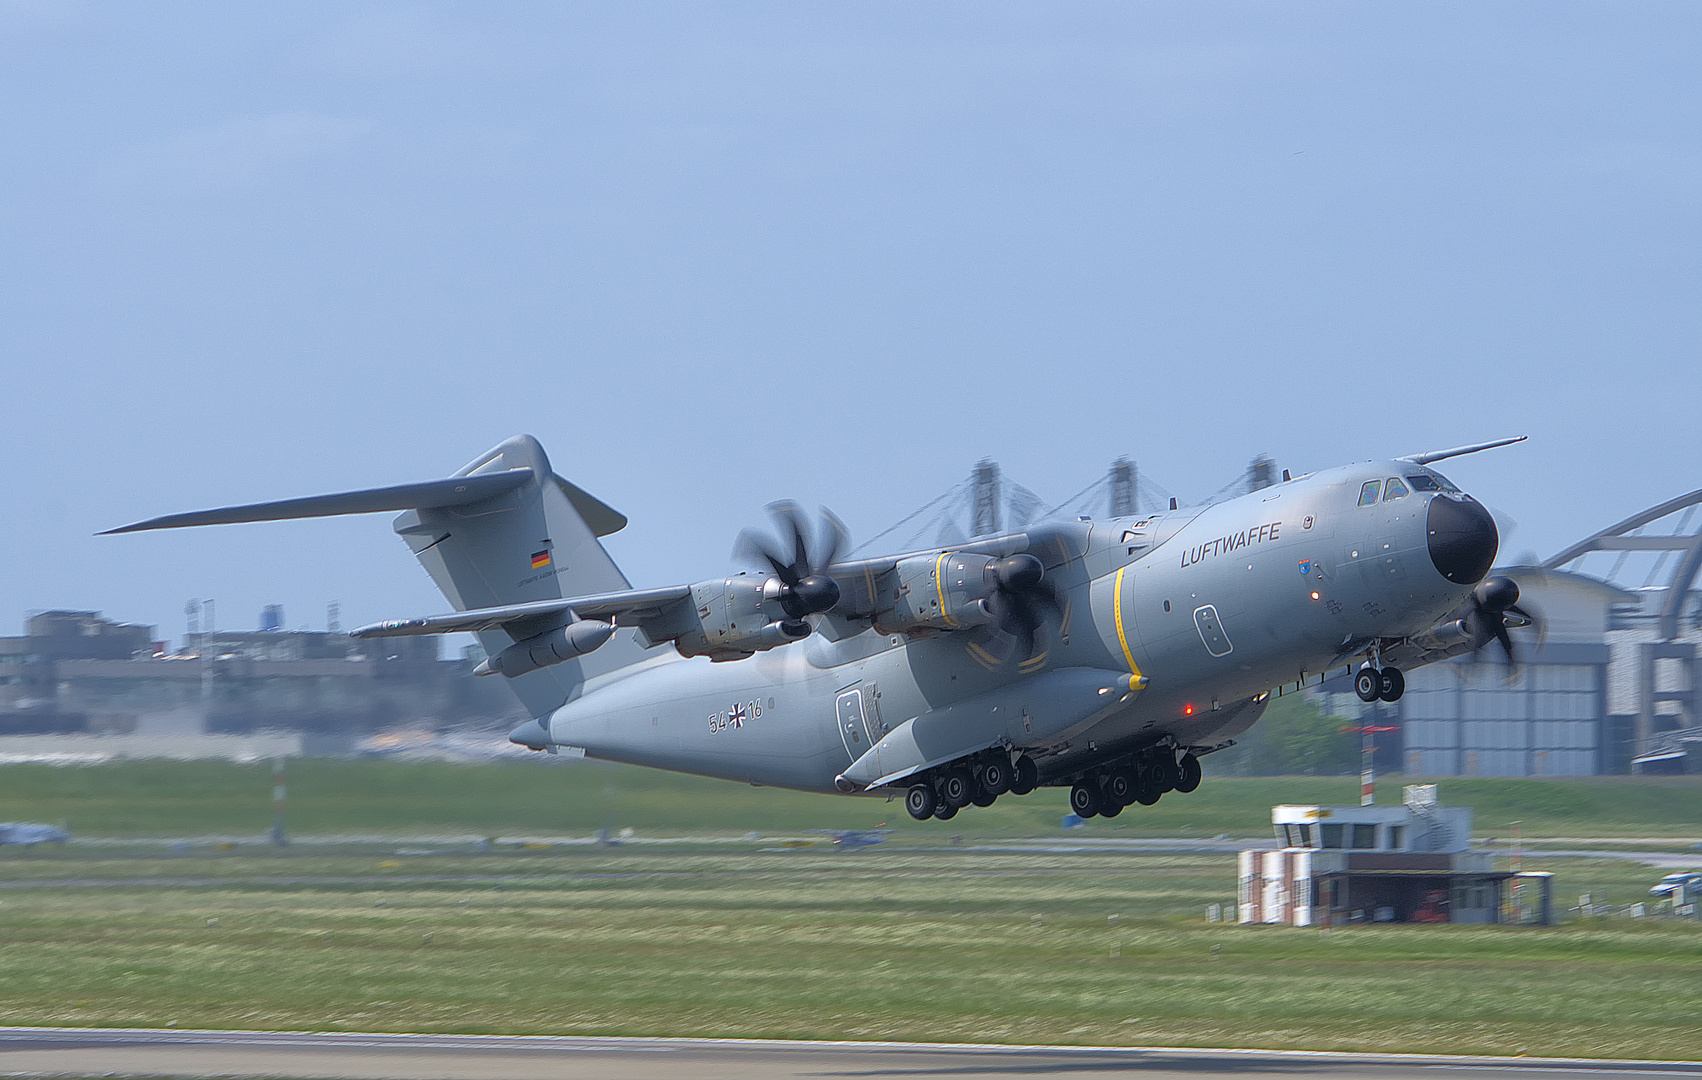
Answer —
886 943
921 938
549 796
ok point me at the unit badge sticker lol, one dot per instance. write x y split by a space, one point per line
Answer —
1305 567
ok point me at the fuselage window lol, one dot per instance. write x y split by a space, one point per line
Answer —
1368 493
1395 489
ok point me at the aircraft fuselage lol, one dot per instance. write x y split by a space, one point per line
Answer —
1200 611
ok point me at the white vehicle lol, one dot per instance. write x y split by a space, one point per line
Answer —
1674 884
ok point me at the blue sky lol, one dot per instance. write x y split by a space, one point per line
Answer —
718 254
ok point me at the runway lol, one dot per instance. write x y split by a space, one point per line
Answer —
26 1052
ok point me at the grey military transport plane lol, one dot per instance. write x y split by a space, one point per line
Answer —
1105 656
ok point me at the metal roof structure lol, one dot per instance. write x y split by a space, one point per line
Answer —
1630 536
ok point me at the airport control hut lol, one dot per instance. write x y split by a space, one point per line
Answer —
1357 864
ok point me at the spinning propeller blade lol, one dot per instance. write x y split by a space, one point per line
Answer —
798 557
1491 603
1019 602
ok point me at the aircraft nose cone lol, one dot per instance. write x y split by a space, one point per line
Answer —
531 735
1462 537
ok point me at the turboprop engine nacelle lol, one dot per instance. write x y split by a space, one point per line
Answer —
937 592
553 647
738 616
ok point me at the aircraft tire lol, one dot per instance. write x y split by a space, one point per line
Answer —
919 801
1164 772
1084 800
1107 808
1120 787
1189 767
1147 794
983 797
1025 775
1368 684
957 788
997 776
1392 685
945 812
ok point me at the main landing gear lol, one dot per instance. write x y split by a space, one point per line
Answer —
1379 684
1144 779
980 781
976 781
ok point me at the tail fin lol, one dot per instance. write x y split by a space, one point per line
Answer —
537 541
504 530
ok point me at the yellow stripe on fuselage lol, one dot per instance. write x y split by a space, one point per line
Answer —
940 588
1117 609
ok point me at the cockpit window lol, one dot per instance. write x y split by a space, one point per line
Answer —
1395 489
1430 482
1368 493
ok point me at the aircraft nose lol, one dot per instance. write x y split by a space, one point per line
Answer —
531 735
1462 537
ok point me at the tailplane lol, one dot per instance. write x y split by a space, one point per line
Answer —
503 530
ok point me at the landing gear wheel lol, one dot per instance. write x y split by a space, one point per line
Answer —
996 777
1084 800
920 802
945 812
1392 685
1025 775
1189 767
983 797
957 788
1120 788
1164 772
1368 684
1107 808
1147 790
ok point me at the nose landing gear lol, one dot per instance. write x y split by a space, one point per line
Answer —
1379 684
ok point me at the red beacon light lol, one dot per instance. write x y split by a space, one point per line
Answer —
1188 710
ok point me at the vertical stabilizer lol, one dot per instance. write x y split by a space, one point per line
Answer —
537 541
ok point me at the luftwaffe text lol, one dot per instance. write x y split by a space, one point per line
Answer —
1233 542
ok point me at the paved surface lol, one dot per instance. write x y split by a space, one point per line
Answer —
156 1052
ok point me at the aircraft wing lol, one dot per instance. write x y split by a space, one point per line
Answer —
629 607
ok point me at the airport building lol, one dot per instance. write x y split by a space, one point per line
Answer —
78 672
1338 865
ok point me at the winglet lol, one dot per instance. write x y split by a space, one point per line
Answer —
1437 455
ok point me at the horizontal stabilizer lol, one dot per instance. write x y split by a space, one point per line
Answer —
455 491
632 603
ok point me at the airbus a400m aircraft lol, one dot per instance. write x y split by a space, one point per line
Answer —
1107 656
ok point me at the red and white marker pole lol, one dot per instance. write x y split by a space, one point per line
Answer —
280 792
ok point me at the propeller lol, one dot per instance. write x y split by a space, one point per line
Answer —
1491 603
1020 600
799 557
